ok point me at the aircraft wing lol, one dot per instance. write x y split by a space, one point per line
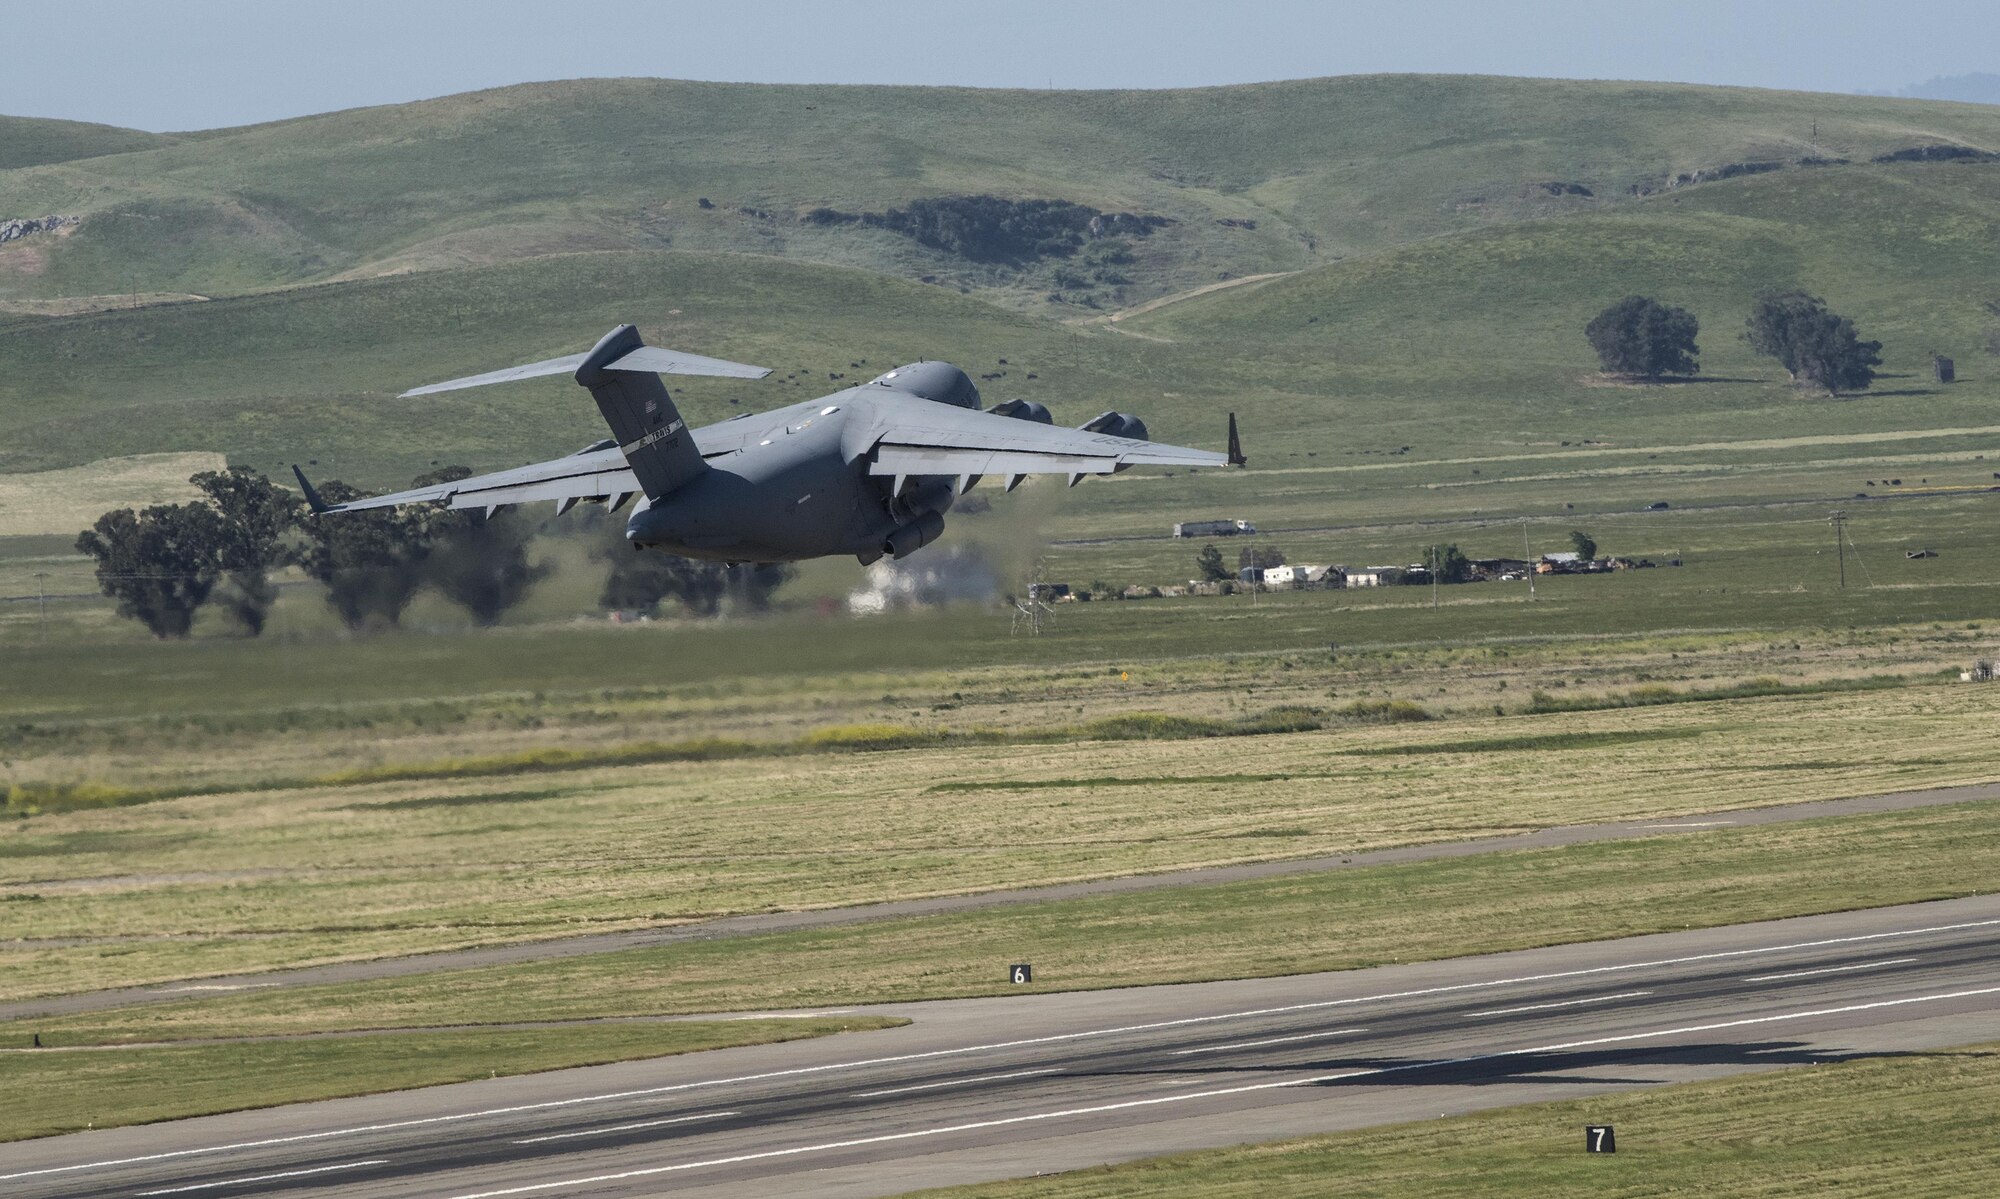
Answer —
597 473
591 474
918 437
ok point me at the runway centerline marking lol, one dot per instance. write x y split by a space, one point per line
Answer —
1305 1036
1771 978
240 1182
672 1088
1248 1088
955 1082
598 1132
1544 1007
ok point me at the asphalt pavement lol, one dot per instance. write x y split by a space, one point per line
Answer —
1014 1085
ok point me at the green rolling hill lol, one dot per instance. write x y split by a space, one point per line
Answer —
31 141
1324 169
1434 281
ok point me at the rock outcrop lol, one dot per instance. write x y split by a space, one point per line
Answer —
16 229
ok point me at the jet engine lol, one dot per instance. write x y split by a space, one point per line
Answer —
914 536
1023 410
934 496
1117 424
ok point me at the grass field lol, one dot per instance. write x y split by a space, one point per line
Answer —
1840 1128
1421 911
56 1092
61 503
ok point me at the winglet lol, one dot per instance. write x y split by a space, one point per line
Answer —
313 501
1236 457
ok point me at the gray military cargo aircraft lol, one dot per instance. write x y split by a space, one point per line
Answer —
868 471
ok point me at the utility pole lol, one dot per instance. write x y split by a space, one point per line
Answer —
1437 564
1528 561
1839 522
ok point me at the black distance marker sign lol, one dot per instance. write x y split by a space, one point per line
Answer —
1021 974
1599 1138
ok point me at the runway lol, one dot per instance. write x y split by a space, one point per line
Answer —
774 922
1008 1086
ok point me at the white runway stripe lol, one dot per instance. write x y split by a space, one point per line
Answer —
1306 1036
598 1132
1771 978
976 1125
240 1182
953 1082
671 1088
1547 1007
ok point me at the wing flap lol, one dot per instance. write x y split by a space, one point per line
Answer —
934 460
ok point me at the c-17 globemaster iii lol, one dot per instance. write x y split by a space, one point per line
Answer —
868 470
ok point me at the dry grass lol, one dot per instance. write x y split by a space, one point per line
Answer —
1336 920
67 501
257 879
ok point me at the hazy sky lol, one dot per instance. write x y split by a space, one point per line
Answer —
190 64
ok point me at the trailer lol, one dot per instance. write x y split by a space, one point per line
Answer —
1214 528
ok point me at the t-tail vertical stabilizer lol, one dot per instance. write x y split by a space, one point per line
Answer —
642 417
622 373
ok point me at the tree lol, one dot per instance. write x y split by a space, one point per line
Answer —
159 564
751 585
257 515
1813 344
1832 355
1774 319
643 581
1586 548
1260 558
371 561
1641 336
476 560
1209 563
1448 563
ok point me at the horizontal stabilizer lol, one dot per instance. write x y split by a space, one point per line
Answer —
645 358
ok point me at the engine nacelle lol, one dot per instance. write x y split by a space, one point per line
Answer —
1023 410
914 536
934 496
1117 424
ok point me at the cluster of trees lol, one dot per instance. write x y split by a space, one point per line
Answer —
164 563
642 582
1211 567
1644 338
374 562
1813 345
992 229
